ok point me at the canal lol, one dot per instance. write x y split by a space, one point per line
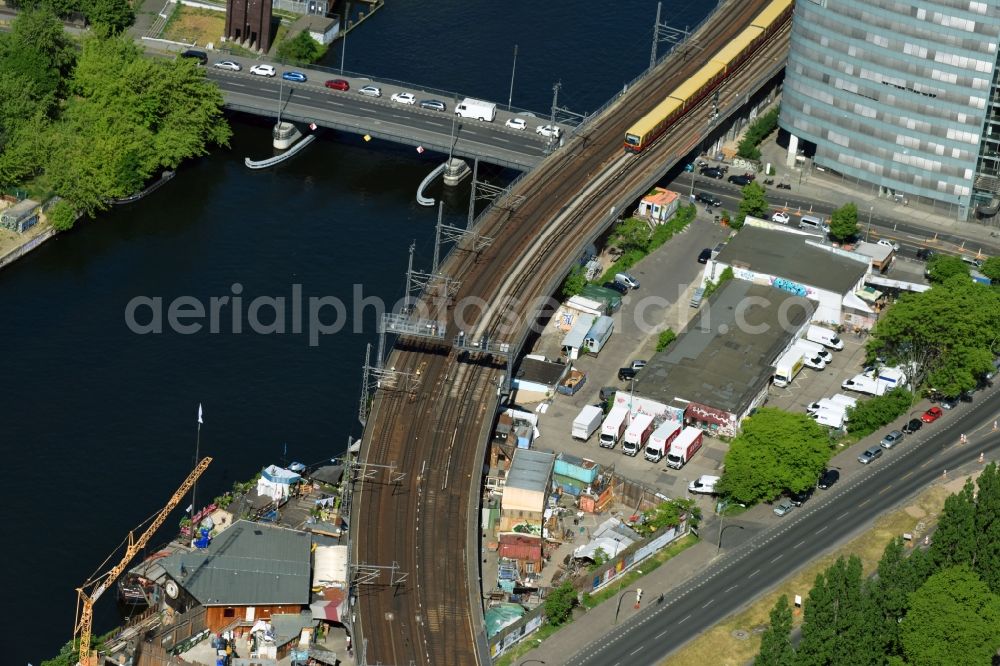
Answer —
98 421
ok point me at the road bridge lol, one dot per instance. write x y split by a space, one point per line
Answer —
433 423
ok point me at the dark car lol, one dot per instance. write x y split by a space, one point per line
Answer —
799 498
712 172
433 105
708 199
828 478
925 253
200 56
948 403
740 180
625 374
912 426
338 84
705 255
617 286
608 392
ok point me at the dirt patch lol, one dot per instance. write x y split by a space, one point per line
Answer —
726 643
196 26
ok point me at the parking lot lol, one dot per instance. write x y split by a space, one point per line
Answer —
812 385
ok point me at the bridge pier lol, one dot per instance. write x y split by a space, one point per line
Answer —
455 171
284 135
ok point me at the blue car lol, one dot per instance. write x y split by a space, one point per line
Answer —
298 77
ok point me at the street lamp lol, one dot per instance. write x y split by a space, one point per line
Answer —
513 69
869 230
531 661
343 50
722 530
620 604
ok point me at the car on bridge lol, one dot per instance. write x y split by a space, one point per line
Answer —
338 84
516 123
298 77
548 131
404 98
370 91
228 64
433 105
263 70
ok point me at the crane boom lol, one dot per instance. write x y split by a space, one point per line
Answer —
85 599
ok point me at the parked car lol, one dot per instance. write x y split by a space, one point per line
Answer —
200 56
298 77
888 243
925 253
228 64
617 286
948 403
516 123
870 454
912 426
638 364
708 199
892 439
627 280
784 507
433 105
338 84
370 91
625 374
740 180
712 172
548 131
404 98
705 255
798 499
607 392
263 70
828 478
780 218
931 415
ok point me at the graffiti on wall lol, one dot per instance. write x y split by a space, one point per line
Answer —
789 286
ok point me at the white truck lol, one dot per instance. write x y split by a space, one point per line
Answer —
660 440
614 425
887 379
476 108
845 400
787 367
637 434
684 446
586 422
824 336
829 405
831 418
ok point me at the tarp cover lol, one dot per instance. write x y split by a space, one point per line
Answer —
330 566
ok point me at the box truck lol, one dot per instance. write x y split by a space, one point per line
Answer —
660 440
827 404
476 108
684 447
888 379
824 336
814 348
787 367
704 484
831 418
586 422
614 425
845 400
637 434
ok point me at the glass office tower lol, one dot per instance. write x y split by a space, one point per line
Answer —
901 95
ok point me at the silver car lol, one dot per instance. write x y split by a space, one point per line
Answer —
870 454
370 91
784 506
892 439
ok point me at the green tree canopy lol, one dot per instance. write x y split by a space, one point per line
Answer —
668 514
632 233
111 15
62 216
575 281
844 222
301 48
776 451
754 202
944 335
871 414
942 267
776 641
991 269
953 617
559 604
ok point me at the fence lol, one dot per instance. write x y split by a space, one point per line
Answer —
155 651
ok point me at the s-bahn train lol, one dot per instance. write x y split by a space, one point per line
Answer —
706 79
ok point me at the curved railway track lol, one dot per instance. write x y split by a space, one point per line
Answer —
433 433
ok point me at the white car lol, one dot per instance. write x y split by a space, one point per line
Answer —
888 243
263 70
516 123
814 362
404 98
228 64
781 218
370 91
549 131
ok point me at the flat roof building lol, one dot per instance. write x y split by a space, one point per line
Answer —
526 490
899 95
720 366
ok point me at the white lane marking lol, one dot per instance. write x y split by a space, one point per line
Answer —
755 572
799 543
731 587
659 635
777 558
635 651
842 515
822 529
684 620
708 603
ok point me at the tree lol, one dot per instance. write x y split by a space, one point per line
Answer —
754 200
756 133
301 48
953 613
776 451
559 604
666 337
668 514
844 222
632 234
62 216
987 527
112 15
870 415
818 626
775 642
991 269
575 281
898 577
944 335
942 267
955 538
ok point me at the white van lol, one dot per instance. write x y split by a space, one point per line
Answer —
704 484
823 336
811 223
814 349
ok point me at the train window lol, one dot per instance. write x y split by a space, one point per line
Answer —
632 139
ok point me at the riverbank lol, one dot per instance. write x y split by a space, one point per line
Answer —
15 245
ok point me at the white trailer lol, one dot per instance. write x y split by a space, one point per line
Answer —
845 400
586 422
476 108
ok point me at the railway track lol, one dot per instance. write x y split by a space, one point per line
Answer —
433 433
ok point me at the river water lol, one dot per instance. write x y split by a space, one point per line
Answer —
98 423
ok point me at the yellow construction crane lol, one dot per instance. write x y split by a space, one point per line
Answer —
100 584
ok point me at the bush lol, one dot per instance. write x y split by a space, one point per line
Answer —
870 415
559 604
663 233
61 215
666 337
574 282
756 133
712 287
301 48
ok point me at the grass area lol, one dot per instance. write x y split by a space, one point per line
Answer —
721 645
659 236
195 26
647 566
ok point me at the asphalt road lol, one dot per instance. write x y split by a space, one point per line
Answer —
829 518
730 195
353 109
